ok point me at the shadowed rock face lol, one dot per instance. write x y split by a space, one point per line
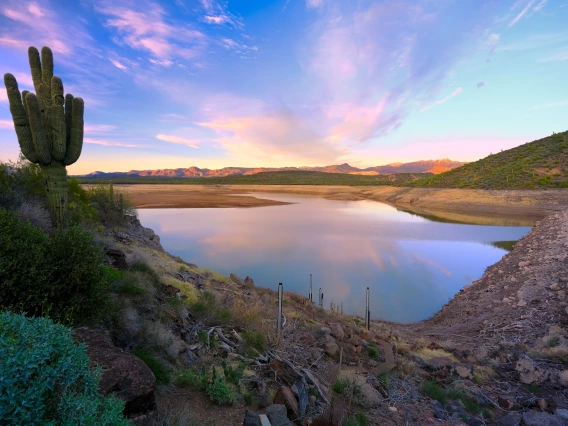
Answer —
124 375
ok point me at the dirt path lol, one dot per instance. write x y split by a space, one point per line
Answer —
515 207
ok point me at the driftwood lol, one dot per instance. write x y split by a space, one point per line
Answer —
315 382
219 333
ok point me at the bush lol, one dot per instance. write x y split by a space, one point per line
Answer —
46 377
357 387
113 209
219 392
160 371
60 275
254 340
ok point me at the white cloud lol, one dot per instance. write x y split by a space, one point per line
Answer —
118 64
522 13
179 140
104 142
559 104
314 3
442 101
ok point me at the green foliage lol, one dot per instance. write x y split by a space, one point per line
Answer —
360 419
339 387
79 209
373 352
233 376
526 166
189 378
46 377
146 269
248 398
255 340
110 210
61 275
274 178
219 392
554 341
160 371
434 391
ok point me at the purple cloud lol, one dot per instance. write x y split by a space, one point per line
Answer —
480 84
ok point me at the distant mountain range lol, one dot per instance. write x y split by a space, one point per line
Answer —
427 166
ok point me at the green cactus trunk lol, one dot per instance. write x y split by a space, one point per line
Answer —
57 191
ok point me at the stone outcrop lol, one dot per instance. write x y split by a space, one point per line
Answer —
124 375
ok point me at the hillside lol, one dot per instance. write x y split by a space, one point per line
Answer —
539 164
428 166
269 178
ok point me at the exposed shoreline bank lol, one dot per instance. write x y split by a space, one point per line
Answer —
508 207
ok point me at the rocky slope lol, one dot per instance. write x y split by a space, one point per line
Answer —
496 354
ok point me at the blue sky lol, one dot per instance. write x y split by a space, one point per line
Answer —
295 82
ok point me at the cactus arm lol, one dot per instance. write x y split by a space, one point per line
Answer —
20 118
75 140
58 126
68 114
38 134
46 66
35 66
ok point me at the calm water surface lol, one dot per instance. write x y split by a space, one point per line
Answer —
412 265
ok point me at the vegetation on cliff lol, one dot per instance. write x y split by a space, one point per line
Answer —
540 164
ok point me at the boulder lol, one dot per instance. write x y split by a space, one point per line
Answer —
307 339
465 371
123 375
354 340
439 363
264 398
236 279
249 281
117 258
286 397
337 331
276 414
536 418
331 349
511 419
562 414
251 418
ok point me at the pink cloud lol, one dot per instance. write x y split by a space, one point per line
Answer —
6 124
147 30
118 64
99 128
179 140
104 142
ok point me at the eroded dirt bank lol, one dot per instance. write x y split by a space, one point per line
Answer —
518 207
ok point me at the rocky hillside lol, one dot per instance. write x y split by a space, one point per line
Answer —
539 164
497 354
428 166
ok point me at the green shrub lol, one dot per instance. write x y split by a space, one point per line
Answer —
359 419
219 392
146 269
434 391
554 341
112 209
255 340
61 275
339 387
373 352
45 377
233 376
79 209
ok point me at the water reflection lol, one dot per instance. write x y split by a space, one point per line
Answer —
412 264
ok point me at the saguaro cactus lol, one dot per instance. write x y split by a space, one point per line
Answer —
49 127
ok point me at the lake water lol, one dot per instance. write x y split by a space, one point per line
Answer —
411 264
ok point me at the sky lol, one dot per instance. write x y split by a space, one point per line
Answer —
272 83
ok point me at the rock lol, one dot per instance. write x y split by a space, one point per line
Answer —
455 407
439 362
523 264
276 414
265 298
123 375
555 287
331 349
286 397
465 371
372 363
324 330
354 340
511 419
536 418
474 421
438 411
368 335
237 280
358 349
506 402
249 281
170 290
264 398
337 331
251 418
307 339
562 414
327 338
313 400
529 372
117 258
315 353
393 409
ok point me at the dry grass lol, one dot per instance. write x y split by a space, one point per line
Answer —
428 354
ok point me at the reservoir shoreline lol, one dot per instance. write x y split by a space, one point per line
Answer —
515 207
